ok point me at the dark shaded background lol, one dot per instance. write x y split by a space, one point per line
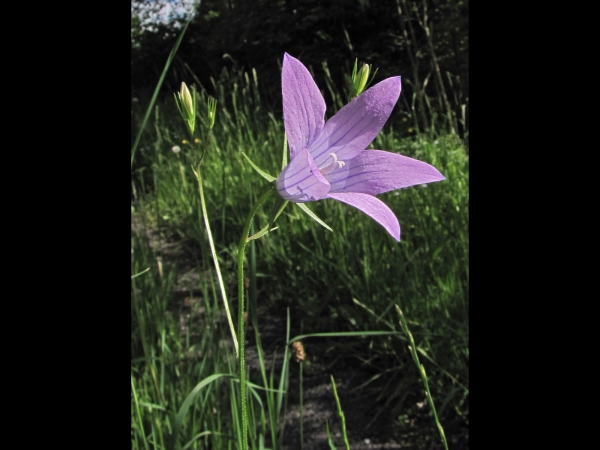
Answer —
240 35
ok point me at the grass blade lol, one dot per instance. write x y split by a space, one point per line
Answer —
345 334
190 399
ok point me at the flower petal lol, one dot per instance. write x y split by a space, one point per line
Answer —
372 207
303 105
301 181
355 126
375 172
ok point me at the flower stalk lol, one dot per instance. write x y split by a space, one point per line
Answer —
241 327
214 257
186 103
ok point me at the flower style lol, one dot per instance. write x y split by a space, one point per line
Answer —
329 160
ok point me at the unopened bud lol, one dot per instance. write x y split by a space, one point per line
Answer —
360 79
186 99
186 103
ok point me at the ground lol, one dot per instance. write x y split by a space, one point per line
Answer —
370 423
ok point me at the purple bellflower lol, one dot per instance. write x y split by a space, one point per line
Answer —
329 160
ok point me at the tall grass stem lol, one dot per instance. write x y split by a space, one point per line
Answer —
413 350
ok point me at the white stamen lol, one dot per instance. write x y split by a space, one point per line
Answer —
325 170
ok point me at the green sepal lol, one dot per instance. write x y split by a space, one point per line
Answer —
313 216
261 172
261 233
284 160
278 208
280 203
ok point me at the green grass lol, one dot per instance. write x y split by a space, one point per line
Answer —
184 387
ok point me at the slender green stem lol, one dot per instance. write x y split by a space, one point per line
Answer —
413 350
301 411
206 143
241 357
215 259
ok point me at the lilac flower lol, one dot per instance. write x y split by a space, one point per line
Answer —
329 160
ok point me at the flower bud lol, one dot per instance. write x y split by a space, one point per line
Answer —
186 103
360 79
186 99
